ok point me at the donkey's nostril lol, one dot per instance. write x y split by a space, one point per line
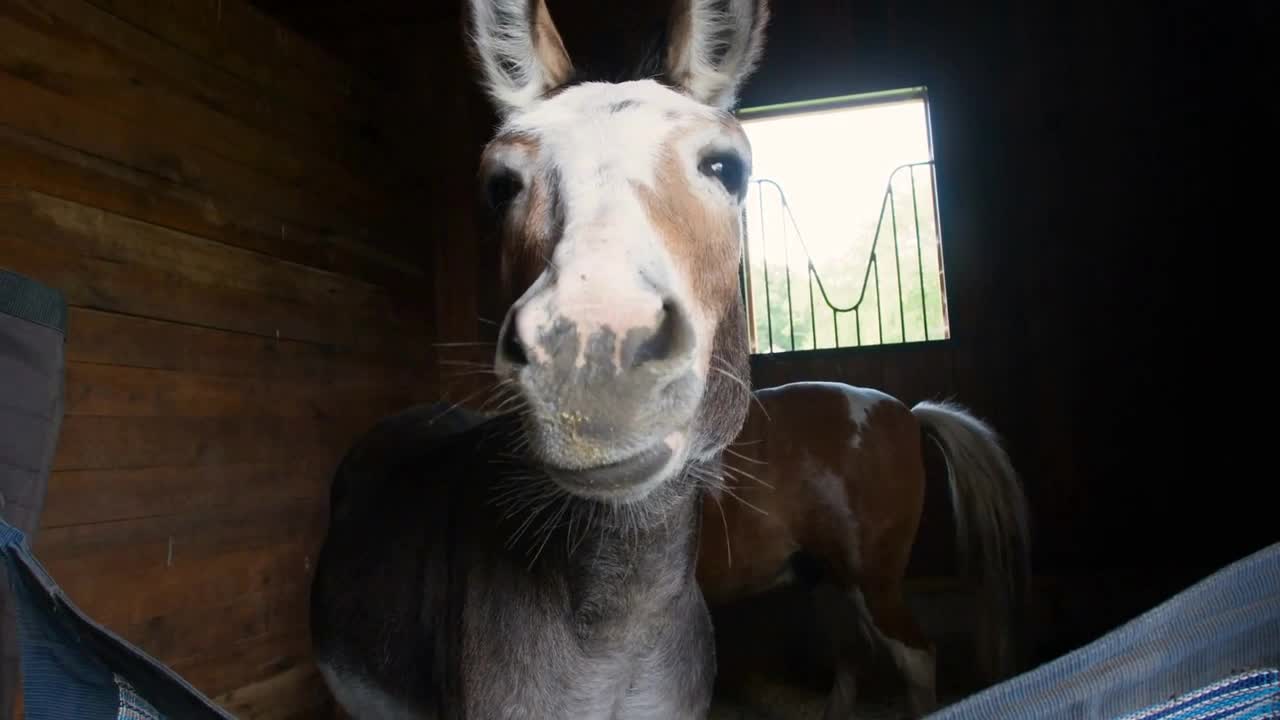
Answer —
673 337
511 348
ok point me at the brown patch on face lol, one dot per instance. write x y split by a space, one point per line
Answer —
703 240
513 138
529 234
528 225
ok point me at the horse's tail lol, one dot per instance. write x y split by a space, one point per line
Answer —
991 519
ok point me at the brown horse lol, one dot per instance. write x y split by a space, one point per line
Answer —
832 477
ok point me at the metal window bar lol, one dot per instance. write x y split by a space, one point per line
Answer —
888 208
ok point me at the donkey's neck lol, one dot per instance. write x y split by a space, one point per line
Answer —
637 570
618 561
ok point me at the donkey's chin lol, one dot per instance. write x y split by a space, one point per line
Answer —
630 479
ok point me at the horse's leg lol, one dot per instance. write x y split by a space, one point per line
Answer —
844 689
890 622
879 621
913 654
850 642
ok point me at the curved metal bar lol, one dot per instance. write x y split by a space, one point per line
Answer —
786 206
872 263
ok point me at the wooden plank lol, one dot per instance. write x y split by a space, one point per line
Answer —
110 263
33 110
89 443
169 541
84 497
126 572
55 59
244 663
93 232
75 175
112 596
60 59
336 128
235 36
296 693
199 630
105 284
107 338
116 391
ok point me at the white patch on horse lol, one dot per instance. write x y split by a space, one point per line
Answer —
916 665
595 146
861 400
918 669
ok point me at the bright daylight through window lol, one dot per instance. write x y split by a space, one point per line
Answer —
843 241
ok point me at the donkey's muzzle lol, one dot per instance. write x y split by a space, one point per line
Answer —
605 382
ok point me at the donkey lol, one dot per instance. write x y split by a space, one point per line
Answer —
539 563
830 488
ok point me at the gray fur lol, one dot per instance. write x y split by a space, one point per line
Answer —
422 597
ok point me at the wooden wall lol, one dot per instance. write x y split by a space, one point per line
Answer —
242 249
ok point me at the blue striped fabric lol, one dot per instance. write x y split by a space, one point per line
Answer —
1211 645
1247 696
74 668
60 681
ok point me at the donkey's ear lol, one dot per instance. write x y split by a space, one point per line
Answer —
518 49
714 45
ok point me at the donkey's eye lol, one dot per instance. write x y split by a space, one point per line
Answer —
728 169
501 187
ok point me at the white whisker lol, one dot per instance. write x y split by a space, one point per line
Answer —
744 457
727 370
740 473
738 497
725 521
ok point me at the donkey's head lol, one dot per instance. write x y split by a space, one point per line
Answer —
619 206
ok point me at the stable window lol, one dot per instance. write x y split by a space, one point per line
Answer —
844 246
